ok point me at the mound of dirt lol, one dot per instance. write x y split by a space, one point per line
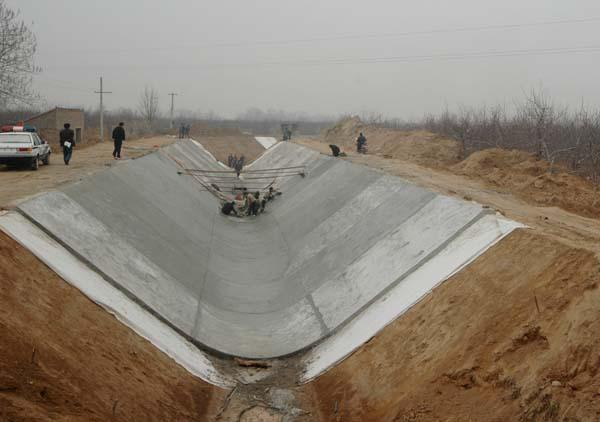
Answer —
421 147
533 180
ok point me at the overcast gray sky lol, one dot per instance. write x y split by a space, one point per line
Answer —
317 56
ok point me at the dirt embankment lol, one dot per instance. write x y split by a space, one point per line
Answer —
513 337
420 147
64 358
222 146
516 172
533 180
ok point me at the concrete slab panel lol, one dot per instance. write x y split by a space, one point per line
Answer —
97 244
266 141
238 334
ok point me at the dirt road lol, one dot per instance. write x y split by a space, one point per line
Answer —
20 183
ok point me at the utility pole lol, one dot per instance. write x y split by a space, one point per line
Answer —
173 95
102 92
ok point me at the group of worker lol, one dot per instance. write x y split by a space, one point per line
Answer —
248 203
184 131
236 163
67 141
361 147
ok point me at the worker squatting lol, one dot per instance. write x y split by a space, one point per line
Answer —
249 203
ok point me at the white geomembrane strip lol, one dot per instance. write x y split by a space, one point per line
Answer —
114 301
457 254
266 142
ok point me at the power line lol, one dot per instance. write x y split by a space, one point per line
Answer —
382 59
62 84
355 36
412 33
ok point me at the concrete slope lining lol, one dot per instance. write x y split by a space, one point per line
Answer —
329 249
266 141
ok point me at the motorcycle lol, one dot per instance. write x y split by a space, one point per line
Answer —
361 148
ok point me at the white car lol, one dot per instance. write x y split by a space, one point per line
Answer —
25 148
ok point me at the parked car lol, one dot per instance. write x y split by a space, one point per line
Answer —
23 148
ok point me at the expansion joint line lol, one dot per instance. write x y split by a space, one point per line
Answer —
212 236
309 298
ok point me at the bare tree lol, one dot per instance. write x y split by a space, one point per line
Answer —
148 104
17 49
542 116
462 127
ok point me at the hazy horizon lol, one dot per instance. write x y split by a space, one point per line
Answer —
399 59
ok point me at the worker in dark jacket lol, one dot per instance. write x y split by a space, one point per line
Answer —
228 208
118 136
361 143
67 142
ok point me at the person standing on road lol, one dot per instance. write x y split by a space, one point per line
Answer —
118 136
67 142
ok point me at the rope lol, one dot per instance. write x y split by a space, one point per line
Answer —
206 178
191 170
204 184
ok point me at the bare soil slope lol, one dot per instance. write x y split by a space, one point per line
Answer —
532 179
478 349
64 358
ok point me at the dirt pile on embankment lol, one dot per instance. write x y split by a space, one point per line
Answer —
421 147
533 180
64 358
513 337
